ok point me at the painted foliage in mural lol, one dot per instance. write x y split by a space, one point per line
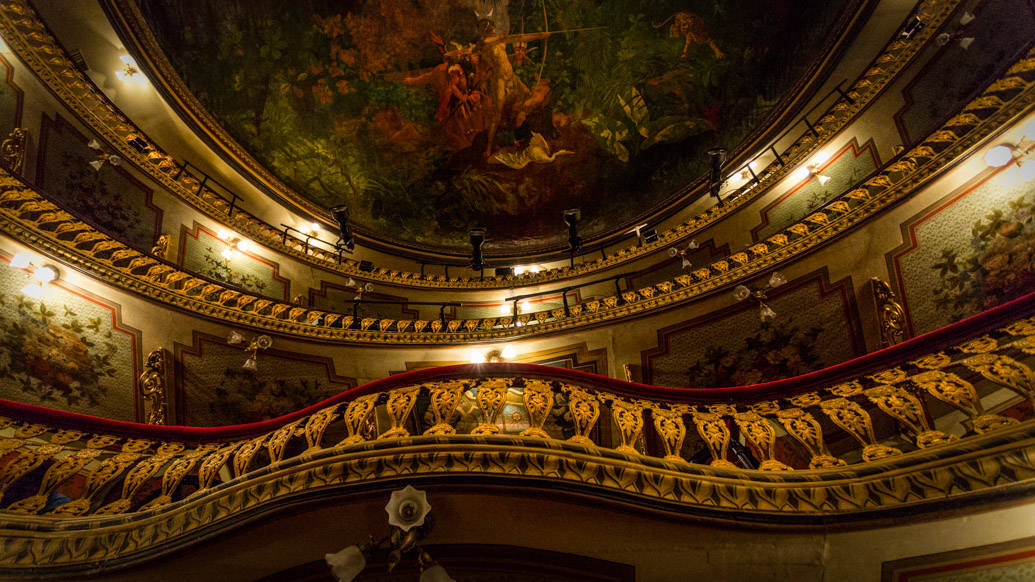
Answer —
109 197
427 117
734 347
64 350
833 177
999 33
215 390
1010 561
202 252
969 252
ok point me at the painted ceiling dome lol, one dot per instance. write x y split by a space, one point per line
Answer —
430 117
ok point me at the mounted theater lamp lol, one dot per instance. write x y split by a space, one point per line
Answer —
718 160
102 156
255 345
571 220
408 510
346 240
477 256
765 313
1004 154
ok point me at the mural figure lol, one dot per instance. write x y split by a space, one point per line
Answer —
692 29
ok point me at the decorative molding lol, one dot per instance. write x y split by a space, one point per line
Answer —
39 50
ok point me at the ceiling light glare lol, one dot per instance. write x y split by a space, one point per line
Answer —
801 174
45 274
533 269
508 352
223 234
245 246
506 309
998 156
227 254
314 227
33 290
475 357
21 261
820 158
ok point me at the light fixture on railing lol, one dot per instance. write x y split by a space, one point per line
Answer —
39 275
102 156
408 517
765 313
254 346
964 41
130 72
677 252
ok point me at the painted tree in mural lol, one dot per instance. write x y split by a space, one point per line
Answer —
427 117
244 396
53 355
998 266
778 349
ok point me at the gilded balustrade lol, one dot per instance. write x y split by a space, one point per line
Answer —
903 435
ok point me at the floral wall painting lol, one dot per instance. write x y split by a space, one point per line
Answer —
66 350
11 99
201 251
1001 31
212 389
843 169
109 198
733 347
970 251
429 117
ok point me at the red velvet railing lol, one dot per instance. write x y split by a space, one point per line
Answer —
885 358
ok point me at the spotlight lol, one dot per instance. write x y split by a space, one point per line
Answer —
477 240
139 144
649 236
366 266
345 239
571 219
504 271
998 156
718 159
912 27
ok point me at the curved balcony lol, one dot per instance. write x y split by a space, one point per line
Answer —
942 417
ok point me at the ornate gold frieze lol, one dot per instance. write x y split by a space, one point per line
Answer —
29 37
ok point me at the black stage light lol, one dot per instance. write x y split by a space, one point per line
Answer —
345 239
504 271
366 266
571 219
718 159
139 144
477 240
649 235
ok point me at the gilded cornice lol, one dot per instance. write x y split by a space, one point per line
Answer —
26 215
131 506
34 44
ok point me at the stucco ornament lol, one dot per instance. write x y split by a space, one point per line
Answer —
407 508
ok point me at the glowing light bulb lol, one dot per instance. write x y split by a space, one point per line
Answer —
314 227
227 254
45 274
223 234
820 158
823 179
245 246
801 174
508 352
998 156
519 270
533 269
506 309
475 357
21 261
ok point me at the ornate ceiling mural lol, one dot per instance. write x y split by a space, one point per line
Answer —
430 117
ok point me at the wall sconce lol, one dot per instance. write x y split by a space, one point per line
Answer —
234 243
493 356
102 156
1004 154
765 313
676 252
408 518
130 73
39 275
964 41
255 345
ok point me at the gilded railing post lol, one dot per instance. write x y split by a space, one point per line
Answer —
1005 371
152 386
355 415
668 422
107 471
585 410
628 418
161 246
960 394
56 474
444 398
899 404
399 405
805 429
851 417
27 460
712 427
492 394
316 425
538 397
761 434
12 150
148 466
891 318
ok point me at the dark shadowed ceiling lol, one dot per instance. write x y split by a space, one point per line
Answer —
429 117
